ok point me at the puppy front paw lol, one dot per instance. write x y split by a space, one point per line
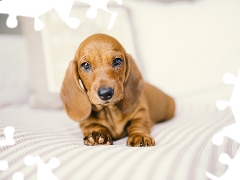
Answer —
97 138
138 140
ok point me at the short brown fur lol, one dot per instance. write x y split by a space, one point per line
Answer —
134 107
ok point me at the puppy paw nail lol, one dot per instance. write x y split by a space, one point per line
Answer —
139 140
91 140
97 138
101 140
108 143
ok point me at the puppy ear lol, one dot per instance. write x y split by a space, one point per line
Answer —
74 98
133 86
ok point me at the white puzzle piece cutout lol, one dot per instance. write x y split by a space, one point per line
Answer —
18 176
36 8
232 131
100 4
233 172
3 165
44 170
8 133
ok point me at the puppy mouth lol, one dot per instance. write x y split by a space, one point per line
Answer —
107 103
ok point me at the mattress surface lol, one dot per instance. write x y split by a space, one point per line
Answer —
183 151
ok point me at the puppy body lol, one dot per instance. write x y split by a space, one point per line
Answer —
130 107
152 107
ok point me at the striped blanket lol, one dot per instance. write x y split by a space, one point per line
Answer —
183 151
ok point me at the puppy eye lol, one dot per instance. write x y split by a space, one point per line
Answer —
86 66
117 62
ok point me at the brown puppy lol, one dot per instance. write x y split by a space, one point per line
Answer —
104 91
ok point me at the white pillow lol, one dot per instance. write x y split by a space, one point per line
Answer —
13 70
187 46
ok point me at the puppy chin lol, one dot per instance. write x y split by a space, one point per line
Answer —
106 103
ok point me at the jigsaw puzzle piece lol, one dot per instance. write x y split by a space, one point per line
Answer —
12 21
44 170
38 24
234 102
30 160
3 165
18 176
36 8
235 98
5 8
8 133
232 132
229 78
232 172
53 163
63 9
26 8
100 4
221 104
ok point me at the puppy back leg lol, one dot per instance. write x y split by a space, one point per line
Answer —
161 106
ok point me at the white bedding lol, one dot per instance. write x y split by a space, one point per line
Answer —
184 149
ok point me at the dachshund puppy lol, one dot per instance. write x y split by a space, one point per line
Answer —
104 91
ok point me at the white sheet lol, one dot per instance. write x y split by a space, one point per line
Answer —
184 149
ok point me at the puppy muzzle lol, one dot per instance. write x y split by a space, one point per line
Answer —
105 93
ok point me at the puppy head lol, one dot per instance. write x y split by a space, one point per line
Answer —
102 68
109 76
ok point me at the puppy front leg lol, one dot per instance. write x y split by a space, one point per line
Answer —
139 131
95 133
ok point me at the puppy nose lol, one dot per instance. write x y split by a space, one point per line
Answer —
105 93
